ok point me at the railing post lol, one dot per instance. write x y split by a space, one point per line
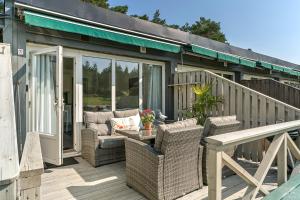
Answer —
214 174
282 162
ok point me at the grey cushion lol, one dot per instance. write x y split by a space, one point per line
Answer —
176 125
108 142
98 117
126 113
219 125
102 129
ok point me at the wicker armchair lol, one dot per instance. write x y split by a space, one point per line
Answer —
99 145
169 173
216 126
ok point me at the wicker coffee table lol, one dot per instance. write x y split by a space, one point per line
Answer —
147 136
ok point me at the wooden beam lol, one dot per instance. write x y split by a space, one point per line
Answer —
214 175
282 162
293 147
264 166
239 170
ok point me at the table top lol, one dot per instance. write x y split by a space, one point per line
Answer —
139 135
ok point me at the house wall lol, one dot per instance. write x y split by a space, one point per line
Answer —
17 34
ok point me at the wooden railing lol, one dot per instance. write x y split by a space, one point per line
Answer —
281 143
9 159
31 168
252 108
280 91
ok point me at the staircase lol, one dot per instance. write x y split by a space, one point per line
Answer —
251 107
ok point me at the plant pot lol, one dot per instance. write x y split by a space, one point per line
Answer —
148 126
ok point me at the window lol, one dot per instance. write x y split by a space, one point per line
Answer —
96 84
122 83
127 85
152 87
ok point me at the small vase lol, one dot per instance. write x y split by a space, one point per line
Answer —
148 126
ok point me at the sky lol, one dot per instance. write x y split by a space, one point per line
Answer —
269 27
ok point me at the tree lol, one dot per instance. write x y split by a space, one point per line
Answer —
144 17
206 28
156 18
120 9
99 3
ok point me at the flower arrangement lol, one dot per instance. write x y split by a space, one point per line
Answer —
147 118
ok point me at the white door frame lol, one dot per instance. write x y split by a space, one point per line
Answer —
78 89
51 143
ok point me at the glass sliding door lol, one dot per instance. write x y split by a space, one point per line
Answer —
97 76
127 85
152 87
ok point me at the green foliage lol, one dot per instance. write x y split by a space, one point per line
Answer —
100 3
204 103
144 17
156 18
207 28
120 9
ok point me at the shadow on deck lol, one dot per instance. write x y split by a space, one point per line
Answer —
82 181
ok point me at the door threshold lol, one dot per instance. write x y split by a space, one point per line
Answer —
71 153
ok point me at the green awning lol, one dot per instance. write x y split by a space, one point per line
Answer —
265 64
45 21
228 58
204 51
277 68
247 63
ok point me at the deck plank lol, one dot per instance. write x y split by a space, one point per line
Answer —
84 182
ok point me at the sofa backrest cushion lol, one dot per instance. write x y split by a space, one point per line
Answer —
176 125
125 113
99 121
126 123
220 125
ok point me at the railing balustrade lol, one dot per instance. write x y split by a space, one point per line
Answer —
280 145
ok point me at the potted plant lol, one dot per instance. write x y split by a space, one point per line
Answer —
147 118
204 103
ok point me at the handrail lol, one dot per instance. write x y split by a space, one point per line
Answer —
9 159
248 135
217 146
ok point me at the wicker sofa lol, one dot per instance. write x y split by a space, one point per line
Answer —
171 168
99 145
216 126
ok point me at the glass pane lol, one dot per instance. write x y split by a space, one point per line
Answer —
127 85
1 6
44 94
96 84
152 87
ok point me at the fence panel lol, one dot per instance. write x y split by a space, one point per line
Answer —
251 107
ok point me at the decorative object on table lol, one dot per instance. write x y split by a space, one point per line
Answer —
147 117
204 103
159 118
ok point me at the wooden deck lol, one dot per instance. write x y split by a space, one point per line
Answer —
82 181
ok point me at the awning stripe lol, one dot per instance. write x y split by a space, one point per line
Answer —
248 63
204 51
45 21
229 58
